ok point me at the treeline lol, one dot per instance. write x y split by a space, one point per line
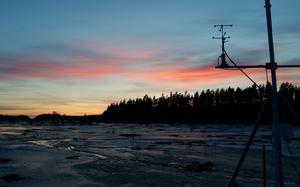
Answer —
227 106
52 118
11 118
56 118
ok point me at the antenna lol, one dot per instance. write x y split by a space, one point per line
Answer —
223 63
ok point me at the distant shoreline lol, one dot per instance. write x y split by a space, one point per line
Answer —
220 106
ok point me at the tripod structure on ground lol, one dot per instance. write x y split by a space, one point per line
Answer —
272 66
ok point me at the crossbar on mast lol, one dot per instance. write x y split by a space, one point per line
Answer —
272 65
256 66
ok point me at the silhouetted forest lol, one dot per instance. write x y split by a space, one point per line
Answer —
10 118
52 118
225 106
64 119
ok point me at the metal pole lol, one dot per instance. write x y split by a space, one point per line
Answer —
264 166
223 39
245 152
275 125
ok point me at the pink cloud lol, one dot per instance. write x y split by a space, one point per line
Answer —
125 61
20 68
181 76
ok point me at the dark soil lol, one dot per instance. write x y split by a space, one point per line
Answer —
4 160
12 177
197 167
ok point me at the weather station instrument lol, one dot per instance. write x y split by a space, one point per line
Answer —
272 66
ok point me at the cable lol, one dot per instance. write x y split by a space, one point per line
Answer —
290 152
235 174
241 70
219 60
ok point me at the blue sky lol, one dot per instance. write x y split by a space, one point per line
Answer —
77 56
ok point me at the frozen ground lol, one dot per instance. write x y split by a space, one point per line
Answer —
137 155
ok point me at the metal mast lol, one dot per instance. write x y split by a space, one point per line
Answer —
272 66
275 126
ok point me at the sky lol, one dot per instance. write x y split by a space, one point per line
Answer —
76 57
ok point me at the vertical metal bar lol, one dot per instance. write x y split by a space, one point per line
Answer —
223 39
264 166
247 147
275 125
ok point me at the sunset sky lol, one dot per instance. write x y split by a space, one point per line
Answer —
78 56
